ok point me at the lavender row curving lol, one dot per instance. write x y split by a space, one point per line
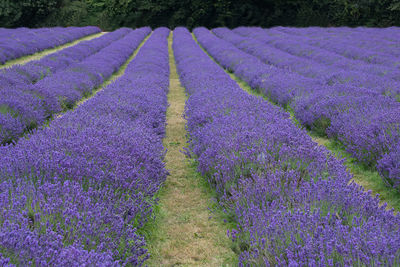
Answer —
291 198
327 68
281 85
325 56
35 70
75 193
368 124
347 43
15 43
364 120
26 105
376 47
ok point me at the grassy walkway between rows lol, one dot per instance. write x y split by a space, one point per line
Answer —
368 179
188 229
39 55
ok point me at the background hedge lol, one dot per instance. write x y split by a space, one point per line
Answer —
111 14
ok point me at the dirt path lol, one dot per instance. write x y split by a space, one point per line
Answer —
39 55
186 232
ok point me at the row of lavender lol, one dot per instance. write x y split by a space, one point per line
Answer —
377 46
291 198
317 48
319 64
15 43
36 70
17 105
75 193
356 113
26 105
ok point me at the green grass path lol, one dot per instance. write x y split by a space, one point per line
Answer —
185 231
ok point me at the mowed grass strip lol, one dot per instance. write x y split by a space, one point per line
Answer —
39 55
369 179
189 227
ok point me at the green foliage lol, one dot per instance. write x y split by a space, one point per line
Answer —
17 13
111 14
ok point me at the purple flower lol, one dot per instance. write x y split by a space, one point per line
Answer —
20 42
76 192
292 200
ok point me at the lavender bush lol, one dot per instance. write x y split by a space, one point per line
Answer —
363 118
300 45
370 47
39 69
75 193
291 198
15 43
27 105
297 56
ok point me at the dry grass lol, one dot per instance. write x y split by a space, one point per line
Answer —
39 55
185 232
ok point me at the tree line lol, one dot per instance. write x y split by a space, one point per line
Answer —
111 14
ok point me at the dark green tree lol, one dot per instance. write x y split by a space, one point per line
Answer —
28 13
111 14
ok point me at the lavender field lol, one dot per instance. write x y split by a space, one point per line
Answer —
143 147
